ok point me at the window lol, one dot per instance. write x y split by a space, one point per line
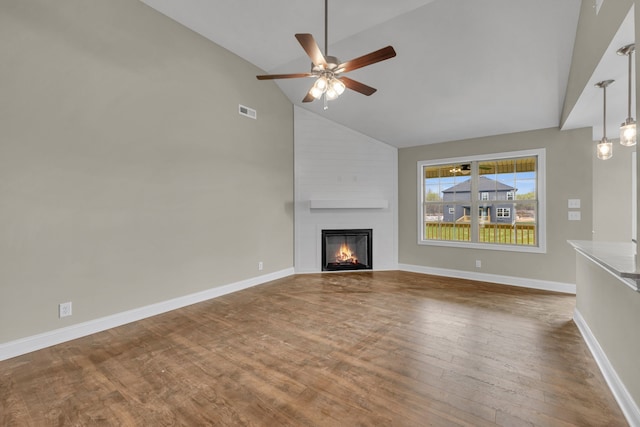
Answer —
503 212
492 201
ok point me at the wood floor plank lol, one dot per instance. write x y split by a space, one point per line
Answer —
348 349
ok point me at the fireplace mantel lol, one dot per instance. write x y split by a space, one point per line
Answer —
349 204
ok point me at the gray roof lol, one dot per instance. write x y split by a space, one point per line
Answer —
484 184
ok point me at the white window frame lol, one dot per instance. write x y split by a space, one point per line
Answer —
484 196
500 212
452 211
511 195
541 222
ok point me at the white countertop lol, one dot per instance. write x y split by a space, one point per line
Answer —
617 257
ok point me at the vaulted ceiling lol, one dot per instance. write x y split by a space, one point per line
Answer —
464 68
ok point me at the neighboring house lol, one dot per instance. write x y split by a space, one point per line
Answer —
489 190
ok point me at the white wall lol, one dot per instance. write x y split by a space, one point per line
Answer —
334 162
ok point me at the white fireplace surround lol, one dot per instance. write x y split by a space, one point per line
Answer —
343 180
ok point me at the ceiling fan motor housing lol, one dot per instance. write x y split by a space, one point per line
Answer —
332 65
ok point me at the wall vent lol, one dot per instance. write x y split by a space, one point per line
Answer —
246 111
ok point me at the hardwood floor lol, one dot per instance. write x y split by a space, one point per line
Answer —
354 349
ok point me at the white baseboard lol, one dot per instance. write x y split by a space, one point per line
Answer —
567 288
36 342
620 393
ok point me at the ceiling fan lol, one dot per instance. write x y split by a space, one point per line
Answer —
465 169
328 70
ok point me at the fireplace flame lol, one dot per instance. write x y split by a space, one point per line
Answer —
345 255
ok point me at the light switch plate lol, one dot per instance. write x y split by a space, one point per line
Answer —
574 215
574 203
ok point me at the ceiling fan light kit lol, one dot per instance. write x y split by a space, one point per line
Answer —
327 70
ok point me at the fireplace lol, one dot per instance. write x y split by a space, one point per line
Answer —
346 250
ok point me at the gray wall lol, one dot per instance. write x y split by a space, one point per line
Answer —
612 196
612 311
569 173
127 176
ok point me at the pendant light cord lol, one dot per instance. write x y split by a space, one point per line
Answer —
629 89
604 112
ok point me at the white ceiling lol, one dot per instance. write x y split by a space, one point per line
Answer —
464 68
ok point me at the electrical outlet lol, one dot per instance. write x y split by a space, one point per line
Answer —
64 309
478 263
260 265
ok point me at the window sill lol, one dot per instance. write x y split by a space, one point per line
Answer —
488 246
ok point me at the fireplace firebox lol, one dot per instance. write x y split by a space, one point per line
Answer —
346 250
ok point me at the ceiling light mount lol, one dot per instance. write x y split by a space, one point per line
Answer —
628 131
603 84
627 50
604 150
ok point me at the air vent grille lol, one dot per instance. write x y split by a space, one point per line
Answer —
248 112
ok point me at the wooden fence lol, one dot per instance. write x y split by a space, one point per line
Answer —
510 234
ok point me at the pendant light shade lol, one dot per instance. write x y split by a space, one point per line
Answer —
628 128
628 133
604 149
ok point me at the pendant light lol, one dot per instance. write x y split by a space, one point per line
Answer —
604 150
628 128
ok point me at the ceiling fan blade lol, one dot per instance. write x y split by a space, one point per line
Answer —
308 98
311 47
368 59
357 86
283 76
